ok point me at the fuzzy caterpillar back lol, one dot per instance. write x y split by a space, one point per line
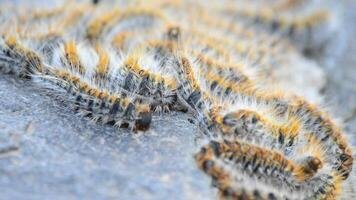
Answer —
130 62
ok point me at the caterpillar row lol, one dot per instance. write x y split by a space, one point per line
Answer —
127 62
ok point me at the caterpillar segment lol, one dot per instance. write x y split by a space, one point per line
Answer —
303 27
102 105
163 36
318 124
298 124
228 189
191 96
310 122
222 78
103 24
69 24
288 5
17 59
250 126
265 169
255 43
180 55
145 47
163 51
213 47
174 32
101 73
232 72
224 179
225 88
120 39
149 84
208 47
222 50
189 90
90 100
125 76
58 24
326 132
260 97
97 26
280 105
28 15
235 31
197 93
72 59
154 79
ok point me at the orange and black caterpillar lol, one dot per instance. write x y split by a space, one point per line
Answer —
243 171
100 105
130 62
17 59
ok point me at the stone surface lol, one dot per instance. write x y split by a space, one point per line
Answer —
340 91
49 152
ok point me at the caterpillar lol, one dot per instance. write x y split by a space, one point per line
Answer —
253 95
128 62
302 26
258 165
102 105
286 133
312 122
106 23
192 94
193 88
18 59
260 58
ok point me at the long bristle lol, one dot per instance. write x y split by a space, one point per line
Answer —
120 63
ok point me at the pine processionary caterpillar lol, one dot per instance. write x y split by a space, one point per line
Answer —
131 62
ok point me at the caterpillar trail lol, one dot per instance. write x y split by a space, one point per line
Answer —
121 63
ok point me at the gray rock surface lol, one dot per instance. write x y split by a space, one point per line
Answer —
46 152
340 91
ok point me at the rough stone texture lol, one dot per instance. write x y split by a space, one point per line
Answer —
48 152
340 91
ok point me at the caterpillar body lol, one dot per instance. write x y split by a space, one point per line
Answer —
128 62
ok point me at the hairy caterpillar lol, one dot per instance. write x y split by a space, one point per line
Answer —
293 111
128 63
259 165
102 105
192 94
306 27
18 59
260 57
106 23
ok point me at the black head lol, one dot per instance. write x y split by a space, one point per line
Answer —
144 121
